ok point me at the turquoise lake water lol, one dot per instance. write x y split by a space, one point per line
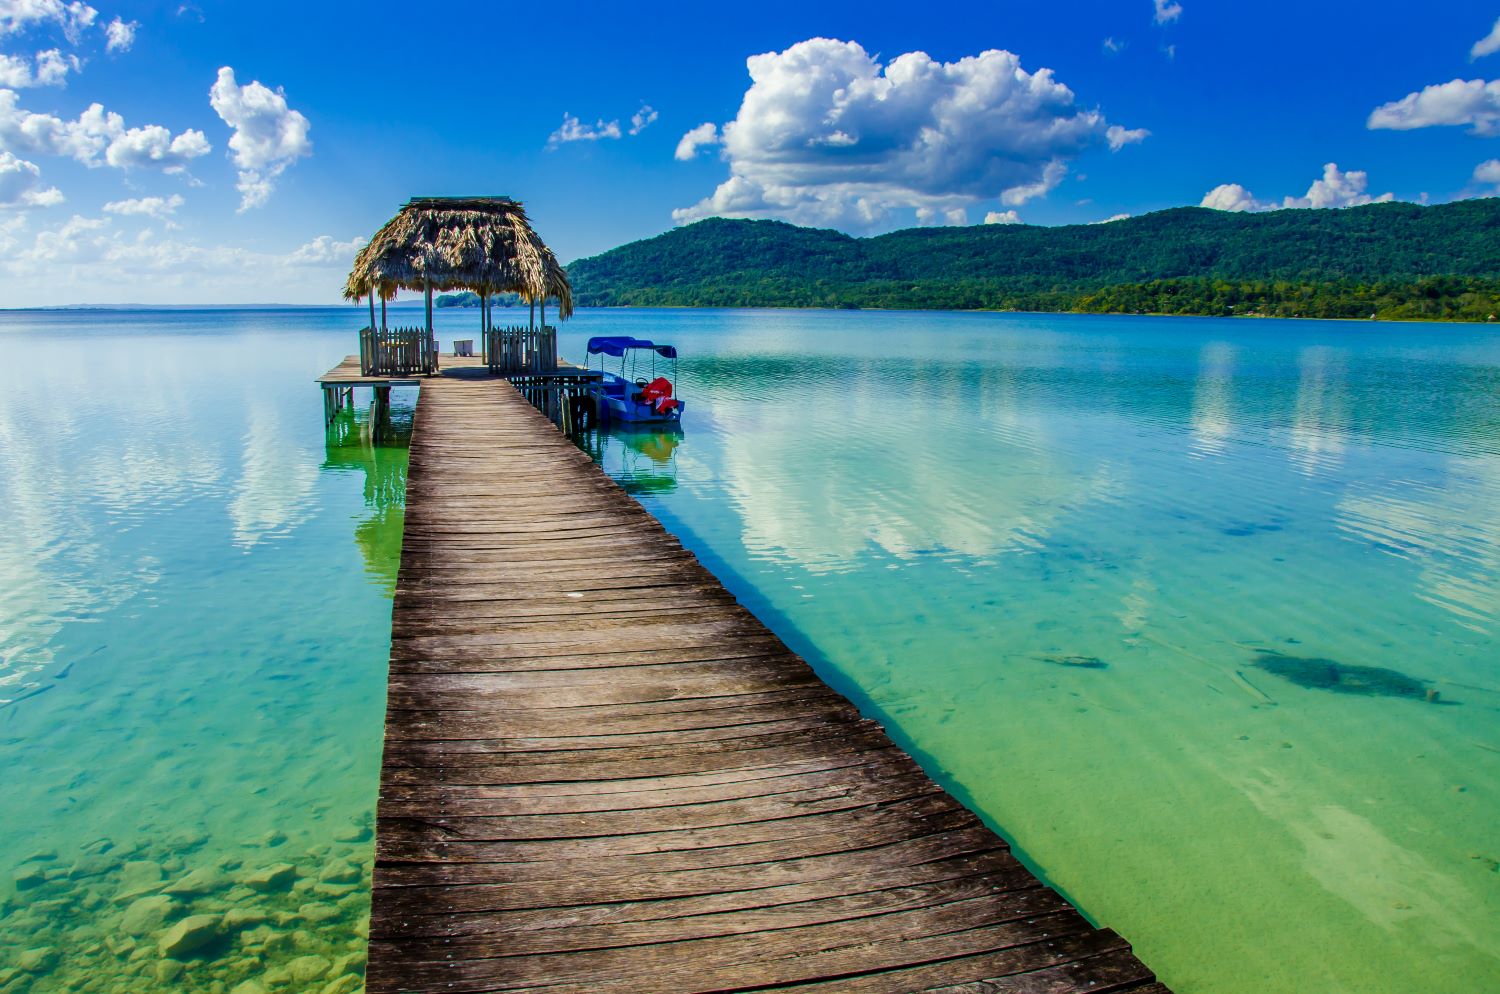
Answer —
1201 614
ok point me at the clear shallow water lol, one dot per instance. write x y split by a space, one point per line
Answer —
194 623
1166 600
958 518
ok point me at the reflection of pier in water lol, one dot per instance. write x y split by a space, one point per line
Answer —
373 441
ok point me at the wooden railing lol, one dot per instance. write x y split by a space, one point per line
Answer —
513 351
396 352
564 396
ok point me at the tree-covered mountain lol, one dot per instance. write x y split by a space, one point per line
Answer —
1395 260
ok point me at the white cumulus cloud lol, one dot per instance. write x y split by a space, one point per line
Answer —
80 239
1473 102
49 68
641 119
1112 219
268 134
700 137
1114 46
155 147
21 184
1167 11
1338 189
96 133
119 35
1119 137
1488 45
1232 197
104 261
325 250
574 130
826 134
157 207
1335 188
1002 217
19 15
1487 174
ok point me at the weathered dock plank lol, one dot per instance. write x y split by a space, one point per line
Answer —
602 773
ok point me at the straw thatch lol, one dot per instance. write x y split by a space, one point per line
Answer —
484 244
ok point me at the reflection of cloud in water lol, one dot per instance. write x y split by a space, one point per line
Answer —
272 495
1320 422
1451 529
819 491
71 442
1213 419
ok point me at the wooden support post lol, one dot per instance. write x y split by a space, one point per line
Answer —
372 310
380 420
382 312
533 312
427 291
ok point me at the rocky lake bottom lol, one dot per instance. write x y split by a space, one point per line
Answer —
190 914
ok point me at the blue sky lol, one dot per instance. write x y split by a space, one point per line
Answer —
239 152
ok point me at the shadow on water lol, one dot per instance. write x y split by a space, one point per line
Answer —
1316 673
352 447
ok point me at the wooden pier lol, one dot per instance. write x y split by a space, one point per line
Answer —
602 774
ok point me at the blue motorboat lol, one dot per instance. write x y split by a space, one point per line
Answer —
637 392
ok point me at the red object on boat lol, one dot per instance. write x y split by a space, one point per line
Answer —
658 393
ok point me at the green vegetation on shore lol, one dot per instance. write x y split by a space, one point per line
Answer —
1393 261
468 298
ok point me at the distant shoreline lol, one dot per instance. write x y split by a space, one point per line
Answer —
416 305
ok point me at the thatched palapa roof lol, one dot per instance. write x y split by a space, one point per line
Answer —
485 244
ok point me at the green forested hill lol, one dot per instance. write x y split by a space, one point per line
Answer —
1395 260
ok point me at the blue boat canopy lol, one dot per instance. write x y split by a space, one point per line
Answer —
617 345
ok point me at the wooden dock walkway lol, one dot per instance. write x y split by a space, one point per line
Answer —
602 774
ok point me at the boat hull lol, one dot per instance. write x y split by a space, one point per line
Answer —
612 398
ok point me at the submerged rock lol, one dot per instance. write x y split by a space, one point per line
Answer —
355 832
189 935
238 918
92 865
277 876
1077 662
29 875
147 914
317 913
137 877
342 872
204 880
350 963
305 969
38 960
346 984
187 841
1316 673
